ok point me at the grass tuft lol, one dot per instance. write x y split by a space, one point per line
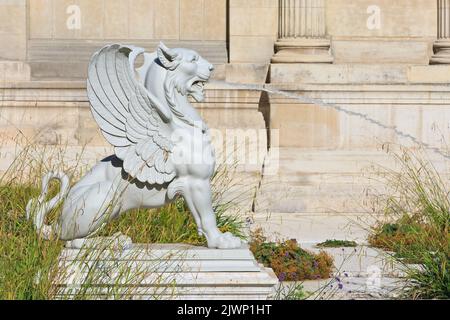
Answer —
337 244
417 209
289 261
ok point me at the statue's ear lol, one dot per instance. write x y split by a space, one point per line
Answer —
167 57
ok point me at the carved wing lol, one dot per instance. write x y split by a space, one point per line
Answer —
129 116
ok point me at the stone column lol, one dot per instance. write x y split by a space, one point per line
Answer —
13 37
302 33
442 45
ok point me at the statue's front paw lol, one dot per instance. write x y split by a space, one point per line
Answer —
225 241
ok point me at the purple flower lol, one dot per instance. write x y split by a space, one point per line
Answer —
338 279
341 286
282 276
346 274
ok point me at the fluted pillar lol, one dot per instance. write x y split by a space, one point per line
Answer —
441 47
302 33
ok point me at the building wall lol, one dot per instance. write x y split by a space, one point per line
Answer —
62 34
40 32
129 19
253 30
381 52
13 29
405 33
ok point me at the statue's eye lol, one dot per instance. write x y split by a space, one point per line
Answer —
194 59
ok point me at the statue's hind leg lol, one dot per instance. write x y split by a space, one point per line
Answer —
198 198
86 209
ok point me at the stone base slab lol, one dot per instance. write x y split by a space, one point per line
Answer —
303 50
362 50
315 227
69 59
14 71
359 74
442 52
360 273
163 271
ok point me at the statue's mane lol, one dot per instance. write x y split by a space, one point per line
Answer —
170 85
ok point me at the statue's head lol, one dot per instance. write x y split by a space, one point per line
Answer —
187 70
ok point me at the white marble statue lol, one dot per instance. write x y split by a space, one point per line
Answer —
162 146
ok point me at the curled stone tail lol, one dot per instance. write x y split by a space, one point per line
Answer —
37 209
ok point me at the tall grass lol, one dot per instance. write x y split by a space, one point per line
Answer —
417 207
30 267
27 262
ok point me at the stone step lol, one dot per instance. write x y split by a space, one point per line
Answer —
184 278
290 197
298 180
188 293
291 160
312 178
340 73
164 271
329 162
315 227
155 251
314 187
316 205
178 264
374 287
360 261
360 273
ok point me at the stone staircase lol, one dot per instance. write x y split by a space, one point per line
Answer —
162 271
318 195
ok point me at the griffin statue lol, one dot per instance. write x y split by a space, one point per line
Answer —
162 146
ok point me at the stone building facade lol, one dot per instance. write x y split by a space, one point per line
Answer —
388 60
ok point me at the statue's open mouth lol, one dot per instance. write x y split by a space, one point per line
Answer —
197 88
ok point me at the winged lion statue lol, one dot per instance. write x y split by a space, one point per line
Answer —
162 146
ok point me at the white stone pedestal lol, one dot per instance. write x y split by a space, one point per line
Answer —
163 271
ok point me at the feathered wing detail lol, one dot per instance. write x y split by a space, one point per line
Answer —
129 116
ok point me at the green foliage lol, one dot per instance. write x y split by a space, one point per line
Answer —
417 230
170 224
337 244
26 261
289 261
293 291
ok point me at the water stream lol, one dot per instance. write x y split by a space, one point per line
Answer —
339 108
